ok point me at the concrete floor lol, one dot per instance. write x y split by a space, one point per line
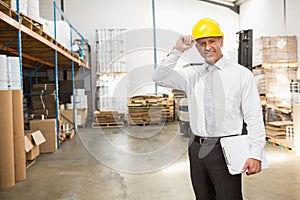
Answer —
139 163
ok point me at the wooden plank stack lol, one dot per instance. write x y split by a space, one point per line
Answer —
108 119
275 65
144 110
277 129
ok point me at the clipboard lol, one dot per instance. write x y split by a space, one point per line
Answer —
236 150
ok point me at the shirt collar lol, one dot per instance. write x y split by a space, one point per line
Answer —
220 64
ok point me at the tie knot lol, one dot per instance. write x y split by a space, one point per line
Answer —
210 68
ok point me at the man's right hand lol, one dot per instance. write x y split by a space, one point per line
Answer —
184 42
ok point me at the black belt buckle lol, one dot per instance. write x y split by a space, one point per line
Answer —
201 140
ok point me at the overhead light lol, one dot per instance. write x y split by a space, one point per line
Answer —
228 3
239 2
225 3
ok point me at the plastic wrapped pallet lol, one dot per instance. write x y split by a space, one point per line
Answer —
13 71
33 9
3 73
275 49
23 5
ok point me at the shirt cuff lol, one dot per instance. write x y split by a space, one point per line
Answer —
256 153
175 51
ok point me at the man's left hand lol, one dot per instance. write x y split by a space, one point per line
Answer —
253 166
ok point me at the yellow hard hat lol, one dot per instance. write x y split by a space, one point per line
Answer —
206 27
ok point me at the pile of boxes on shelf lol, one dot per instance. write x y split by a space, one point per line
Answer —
275 66
79 101
43 101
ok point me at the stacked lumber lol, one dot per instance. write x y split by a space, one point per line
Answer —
277 129
144 110
108 118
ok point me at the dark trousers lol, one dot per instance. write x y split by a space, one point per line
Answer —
209 174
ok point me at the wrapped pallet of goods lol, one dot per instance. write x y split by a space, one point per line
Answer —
270 51
3 73
275 65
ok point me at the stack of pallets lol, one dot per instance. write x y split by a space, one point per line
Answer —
277 129
108 119
144 110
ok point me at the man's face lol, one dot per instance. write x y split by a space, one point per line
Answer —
210 49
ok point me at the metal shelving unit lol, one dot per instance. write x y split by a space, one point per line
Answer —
24 37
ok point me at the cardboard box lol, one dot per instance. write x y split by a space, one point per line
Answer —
48 129
66 117
18 127
7 165
33 140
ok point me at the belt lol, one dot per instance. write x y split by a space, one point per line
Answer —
214 140
201 140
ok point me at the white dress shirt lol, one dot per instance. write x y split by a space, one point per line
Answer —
236 98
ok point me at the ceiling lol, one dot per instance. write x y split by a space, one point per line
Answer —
234 5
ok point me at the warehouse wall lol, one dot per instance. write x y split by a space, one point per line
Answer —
173 17
266 18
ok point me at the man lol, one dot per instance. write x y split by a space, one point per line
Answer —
221 94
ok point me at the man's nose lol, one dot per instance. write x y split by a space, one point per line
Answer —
207 46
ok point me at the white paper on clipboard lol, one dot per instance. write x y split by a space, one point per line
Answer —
236 150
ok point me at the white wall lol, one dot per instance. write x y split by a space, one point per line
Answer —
266 18
173 17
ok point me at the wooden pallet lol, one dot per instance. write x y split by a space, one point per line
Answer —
278 65
70 135
5 8
24 20
107 125
144 124
282 143
32 24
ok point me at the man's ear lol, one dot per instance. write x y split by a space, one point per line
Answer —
221 41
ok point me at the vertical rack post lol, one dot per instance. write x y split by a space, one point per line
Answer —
154 40
73 88
56 79
20 46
